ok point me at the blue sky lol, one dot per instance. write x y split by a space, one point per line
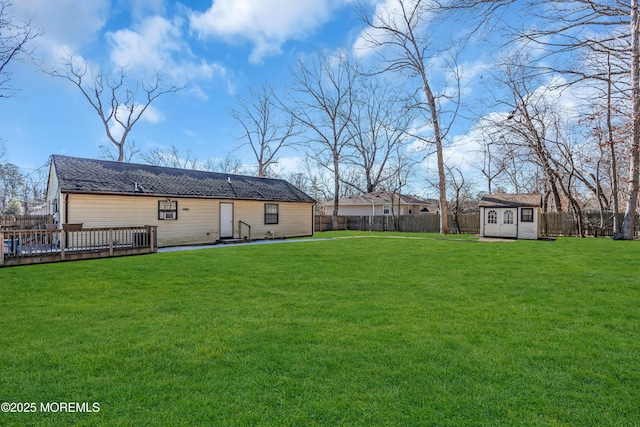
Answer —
220 47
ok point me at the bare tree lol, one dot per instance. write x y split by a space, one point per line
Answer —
606 126
631 210
322 102
402 166
379 133
108 151
320 184
15 43
568 33
266 128
172 158
300 180
542 132
490 169
609 30
460 194
34 187
400 29
118 99
529 124
227 164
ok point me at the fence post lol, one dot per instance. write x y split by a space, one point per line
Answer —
63 243
153 244
111 242
1 248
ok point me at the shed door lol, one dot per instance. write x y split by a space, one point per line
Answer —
508 223
226 220
491 225
501 222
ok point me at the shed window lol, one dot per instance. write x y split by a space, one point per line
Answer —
492 217
271 211
168 209
386 210
526 215
507 217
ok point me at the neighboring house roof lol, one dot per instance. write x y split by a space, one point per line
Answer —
378 198
510 200
78 175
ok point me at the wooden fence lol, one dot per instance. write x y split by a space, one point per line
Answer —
551 224
21 247
565 224
25 222
423 223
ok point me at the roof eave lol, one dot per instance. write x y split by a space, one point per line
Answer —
177 196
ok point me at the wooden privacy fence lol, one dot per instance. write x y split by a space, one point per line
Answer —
423 223
25 222
21 247
565 224
551 223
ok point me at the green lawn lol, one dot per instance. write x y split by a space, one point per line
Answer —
351 331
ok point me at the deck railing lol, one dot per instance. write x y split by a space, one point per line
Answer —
19 247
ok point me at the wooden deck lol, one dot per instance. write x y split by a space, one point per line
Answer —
24 247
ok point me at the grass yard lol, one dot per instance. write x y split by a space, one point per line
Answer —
353 331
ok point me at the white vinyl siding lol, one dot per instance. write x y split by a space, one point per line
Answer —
53 195
198 219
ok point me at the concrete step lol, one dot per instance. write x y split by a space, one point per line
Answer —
232 241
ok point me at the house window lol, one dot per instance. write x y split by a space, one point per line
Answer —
386 210
271 213
507 217
492 217
526 215
167 209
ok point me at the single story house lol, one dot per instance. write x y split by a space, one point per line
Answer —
381 203
188 206
510 215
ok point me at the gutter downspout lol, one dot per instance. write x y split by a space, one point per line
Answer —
66 208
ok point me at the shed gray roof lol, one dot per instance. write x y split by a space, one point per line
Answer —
80 175
510 200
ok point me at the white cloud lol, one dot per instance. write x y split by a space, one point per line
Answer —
151 44
290 164
391 12
267 24
72 23
150 115
158 44
142 8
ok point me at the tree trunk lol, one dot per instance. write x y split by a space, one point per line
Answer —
442 184
629 223
557 200
336 193
614 162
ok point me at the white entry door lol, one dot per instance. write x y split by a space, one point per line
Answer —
226 220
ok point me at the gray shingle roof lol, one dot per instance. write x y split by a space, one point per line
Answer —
510 200
100 176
